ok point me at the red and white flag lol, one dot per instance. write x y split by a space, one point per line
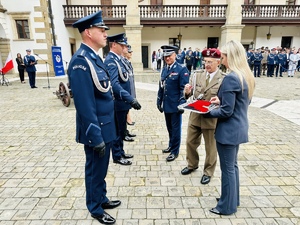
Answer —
8 64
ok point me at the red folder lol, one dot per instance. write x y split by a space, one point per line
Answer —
198 106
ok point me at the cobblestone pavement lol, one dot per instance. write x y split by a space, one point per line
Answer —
42 167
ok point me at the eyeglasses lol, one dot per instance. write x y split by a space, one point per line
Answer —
209 62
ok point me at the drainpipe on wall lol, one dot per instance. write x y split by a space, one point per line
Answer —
52 24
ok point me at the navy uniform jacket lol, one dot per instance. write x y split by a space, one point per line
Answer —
281 59
121 88
170 92
129 68
27 60
94 109
232 125
271 59
256 58
180 58
249 57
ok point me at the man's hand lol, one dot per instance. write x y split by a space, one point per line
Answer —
215 100
187 89
100 149
135 104
180 111
159 108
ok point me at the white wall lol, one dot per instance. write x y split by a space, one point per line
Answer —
20 46
277 33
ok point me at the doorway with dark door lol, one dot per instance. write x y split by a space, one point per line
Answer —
212 42
145 56
286 42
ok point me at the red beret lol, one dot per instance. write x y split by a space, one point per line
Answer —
211 53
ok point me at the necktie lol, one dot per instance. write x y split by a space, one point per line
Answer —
207 79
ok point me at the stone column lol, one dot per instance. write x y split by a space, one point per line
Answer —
133 30
232 30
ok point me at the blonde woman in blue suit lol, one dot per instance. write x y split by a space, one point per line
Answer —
233 98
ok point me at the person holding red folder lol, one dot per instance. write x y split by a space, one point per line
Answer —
233 98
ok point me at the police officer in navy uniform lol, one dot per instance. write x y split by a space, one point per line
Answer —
271 61
170 94
95 116
280 59
256 59
127 54
30 63
122 92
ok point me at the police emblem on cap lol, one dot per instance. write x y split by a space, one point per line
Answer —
169 49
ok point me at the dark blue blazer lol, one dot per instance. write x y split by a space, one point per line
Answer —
256 58
27 60
281 59
232 125
271 59
170 92
121 88
94 109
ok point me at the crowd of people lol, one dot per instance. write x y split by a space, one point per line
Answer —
262 61
193 60
274 61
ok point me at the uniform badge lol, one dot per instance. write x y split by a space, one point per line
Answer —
79 67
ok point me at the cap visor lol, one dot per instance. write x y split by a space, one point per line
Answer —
105 27
168 53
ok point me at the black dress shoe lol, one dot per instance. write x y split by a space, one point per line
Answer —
130 124
123 161
205 179
171 157
186 170
215 211
168 150
105 218
127 156
111 204
131 135
127 138
218 199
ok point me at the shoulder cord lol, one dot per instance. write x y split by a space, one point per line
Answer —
95 78
120 72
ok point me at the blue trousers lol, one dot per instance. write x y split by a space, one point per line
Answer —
280 69
95 173
118 144
31 76
257 70
230 184
173 122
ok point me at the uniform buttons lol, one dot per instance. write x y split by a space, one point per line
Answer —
90 141
101 123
